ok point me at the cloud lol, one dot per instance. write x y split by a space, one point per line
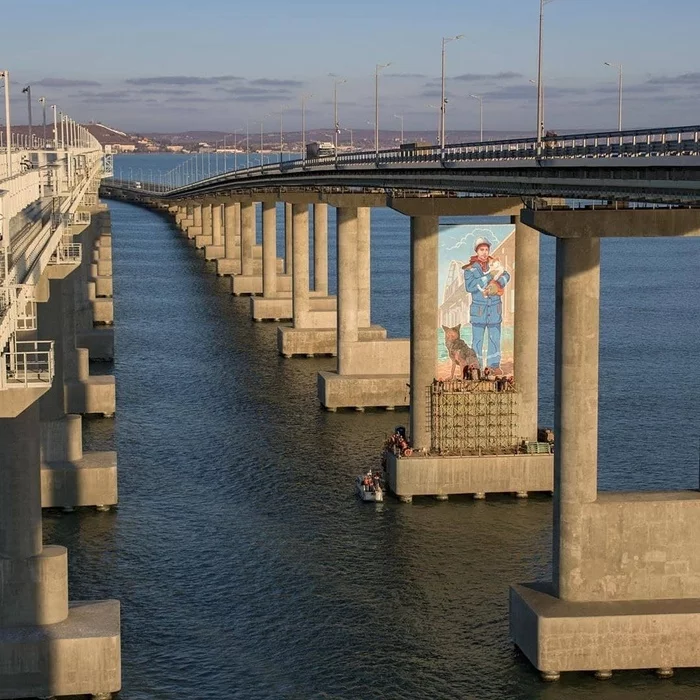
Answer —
419 76
182 80
106 96
682 79
476 77
268 97
65 82
275 82
196 100
245 91
527 92
166 91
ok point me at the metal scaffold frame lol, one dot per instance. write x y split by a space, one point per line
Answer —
471 418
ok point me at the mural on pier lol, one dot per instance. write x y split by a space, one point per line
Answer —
476 280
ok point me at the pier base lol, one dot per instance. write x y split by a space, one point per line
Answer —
280 307
78 656
253 284
432 475
557 635
90 481
317 341
99 343
368 391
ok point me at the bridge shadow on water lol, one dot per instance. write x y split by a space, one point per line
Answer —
245 565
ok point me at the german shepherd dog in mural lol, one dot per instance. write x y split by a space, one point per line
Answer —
460 353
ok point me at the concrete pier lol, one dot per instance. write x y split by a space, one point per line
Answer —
424 321
217 249
314 322
367 374
526 336
230 263
269 245
625 591
69 478
320 212
250 281
426 472
278 306
48 646
205 237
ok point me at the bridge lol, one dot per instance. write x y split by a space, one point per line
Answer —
579 188
55 314
645 165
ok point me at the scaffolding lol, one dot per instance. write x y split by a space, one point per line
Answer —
473 418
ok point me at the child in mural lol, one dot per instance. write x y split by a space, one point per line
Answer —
485 278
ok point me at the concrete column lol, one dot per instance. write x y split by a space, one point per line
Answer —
288 248
321 248
269 248
216 238
363 267
300 264
424 323
55 322
206 220
346 246
577 324
33 578
527 299
232 229
197 211
20 495
247 237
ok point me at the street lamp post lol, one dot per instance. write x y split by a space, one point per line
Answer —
481 116
336 125
377 69
400 117
540 86
352 145
443 101
281 132
303 122
235 148
28 91
247 144
619 91
55 128
8 131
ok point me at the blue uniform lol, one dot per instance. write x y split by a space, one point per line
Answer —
486 311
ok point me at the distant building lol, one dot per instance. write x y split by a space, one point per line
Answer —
175 149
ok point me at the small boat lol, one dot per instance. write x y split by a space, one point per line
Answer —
369 487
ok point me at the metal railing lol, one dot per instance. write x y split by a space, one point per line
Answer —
28 364
67 253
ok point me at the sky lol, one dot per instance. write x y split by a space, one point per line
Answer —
174 65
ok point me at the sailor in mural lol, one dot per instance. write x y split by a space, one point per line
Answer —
485 278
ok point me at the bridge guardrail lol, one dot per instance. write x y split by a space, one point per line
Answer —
28 363
642 143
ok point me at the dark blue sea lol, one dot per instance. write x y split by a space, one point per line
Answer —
245 565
